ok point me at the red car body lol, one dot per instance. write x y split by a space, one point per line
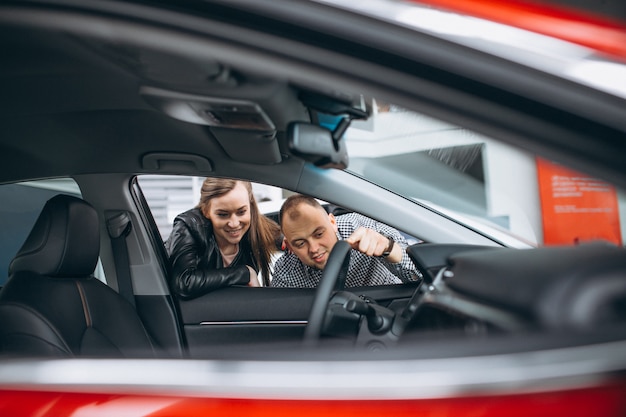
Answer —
601 400
595 395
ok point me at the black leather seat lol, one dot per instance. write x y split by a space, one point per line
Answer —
52 305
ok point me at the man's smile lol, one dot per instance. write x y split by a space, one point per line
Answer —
319 257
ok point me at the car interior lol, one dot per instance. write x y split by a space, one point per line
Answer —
53 305
87 98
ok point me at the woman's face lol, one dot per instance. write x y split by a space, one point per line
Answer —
230 216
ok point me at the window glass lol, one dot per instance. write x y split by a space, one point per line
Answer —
21 204
483 183
170 195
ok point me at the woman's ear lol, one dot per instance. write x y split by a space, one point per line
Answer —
205 211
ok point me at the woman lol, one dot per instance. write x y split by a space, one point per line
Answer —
223 241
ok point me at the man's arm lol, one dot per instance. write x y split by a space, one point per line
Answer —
372 238
373 243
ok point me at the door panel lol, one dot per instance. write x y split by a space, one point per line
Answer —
245 315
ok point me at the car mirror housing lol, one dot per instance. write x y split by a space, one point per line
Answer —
317 145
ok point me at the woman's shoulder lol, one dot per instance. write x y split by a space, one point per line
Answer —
193 215
189 227
194 220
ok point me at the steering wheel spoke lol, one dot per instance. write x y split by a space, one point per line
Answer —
333 280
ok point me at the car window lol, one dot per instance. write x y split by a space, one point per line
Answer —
485 184
21 204
169 195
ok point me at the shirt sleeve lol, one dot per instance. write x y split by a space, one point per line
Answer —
405 269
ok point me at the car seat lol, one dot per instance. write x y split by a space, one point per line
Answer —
52 305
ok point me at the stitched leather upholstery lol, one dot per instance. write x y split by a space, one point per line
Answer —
53 306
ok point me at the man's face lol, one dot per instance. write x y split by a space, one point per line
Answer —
310 233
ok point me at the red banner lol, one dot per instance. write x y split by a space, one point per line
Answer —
575 207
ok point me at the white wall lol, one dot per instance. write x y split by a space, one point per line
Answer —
511 184
510 178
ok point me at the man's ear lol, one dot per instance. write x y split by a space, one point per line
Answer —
285 245
333 220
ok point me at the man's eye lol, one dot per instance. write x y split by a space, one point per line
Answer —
299 244
320 234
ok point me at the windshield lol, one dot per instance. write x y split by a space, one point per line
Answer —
485 184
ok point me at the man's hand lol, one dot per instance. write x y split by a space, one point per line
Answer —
372 243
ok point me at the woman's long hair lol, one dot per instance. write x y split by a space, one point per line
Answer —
263 233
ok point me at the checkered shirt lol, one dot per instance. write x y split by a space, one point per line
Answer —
364 270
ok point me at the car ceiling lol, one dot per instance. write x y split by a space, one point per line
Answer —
72 101
71 104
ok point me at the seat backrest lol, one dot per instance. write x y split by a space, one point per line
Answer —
52 305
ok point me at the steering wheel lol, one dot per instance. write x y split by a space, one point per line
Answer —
333 279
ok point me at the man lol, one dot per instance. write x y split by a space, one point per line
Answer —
378 255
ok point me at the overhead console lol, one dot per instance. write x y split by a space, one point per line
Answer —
242 127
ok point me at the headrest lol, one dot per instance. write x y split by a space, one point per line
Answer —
64 242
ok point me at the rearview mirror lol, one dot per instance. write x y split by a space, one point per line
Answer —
316 144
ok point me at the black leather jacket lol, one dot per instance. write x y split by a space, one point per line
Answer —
196 262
